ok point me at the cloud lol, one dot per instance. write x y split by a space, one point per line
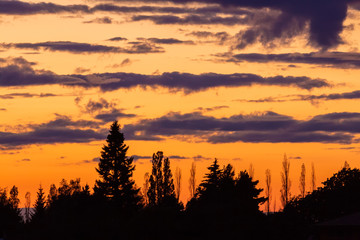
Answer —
189 83
14 7
209 109
139 157
332 59
311 98
25 160
283 19
190 19
24 75
113 115
102 20
61 130
96 106
26 95
169 41
81 70
177 157
200 158
79 48
220 37
267 127
273 20
49 136
116 39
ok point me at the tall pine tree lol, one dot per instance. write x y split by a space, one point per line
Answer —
40 204
116 170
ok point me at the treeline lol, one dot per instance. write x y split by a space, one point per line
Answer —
225 205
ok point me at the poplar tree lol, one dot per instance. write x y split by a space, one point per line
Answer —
161 190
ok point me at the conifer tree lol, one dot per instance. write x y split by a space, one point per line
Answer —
212 179
116 170
40 203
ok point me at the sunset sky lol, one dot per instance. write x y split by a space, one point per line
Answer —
244 81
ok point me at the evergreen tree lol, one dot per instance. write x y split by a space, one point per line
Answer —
211 182
40 203
116 170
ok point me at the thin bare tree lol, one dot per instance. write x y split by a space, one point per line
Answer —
192 180
251 171
313 178
302 181
27 207
178 182
268 190
146 188
285 182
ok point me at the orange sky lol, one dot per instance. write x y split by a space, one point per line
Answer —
62 83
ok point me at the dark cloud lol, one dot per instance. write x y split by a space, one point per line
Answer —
296 158
333 59
177 157
2 109
203 11
13 7
43 135
26 95
139 157
169 41
267 127
220 37
19 75
324 18
95 106
62 121
278 20
209 109
113 115
79 48
193 83
200 158
25 160
124 63
81 70
190 19
311 98
102 20
116 39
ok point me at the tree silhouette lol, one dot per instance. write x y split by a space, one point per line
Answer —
268 189
28 212
192 180
13 198
211 181
40 204
178 182
313 178
302 182
285 181
161 191
116 170
145 189
338 196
